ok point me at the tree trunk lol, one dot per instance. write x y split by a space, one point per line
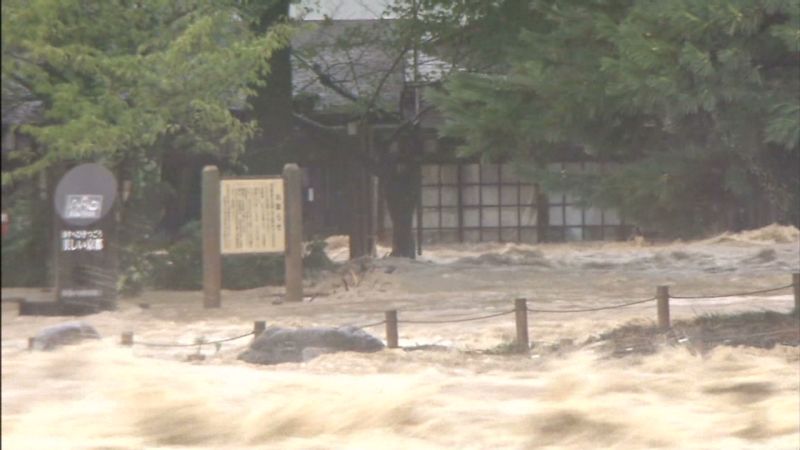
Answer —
272 104
181 171
400 185
358 186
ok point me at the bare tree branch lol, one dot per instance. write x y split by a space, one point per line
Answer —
326 80
352 66
414 121
374 98
316 125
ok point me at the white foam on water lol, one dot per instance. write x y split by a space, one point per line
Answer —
100 395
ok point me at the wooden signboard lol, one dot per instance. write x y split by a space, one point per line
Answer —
252 216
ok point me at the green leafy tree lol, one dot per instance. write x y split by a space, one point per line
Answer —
701 100
380 69
116 79
364 66
140 86
271 101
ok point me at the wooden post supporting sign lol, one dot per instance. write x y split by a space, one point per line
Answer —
293 192
252 215
212 260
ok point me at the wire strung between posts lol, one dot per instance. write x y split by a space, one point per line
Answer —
740 294
599 308
374 324
96 307
469 319
196 344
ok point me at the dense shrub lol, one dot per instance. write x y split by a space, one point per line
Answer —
26 249
179 265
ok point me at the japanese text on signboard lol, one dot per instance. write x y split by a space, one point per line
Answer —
252 216
90 240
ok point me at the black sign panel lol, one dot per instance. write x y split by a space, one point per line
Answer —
86 258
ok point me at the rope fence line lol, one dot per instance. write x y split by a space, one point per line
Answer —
127 339
599 308
467 319
521 312
738 294
369 325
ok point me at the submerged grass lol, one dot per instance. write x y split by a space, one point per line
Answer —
761 329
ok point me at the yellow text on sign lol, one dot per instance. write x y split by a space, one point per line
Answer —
252 213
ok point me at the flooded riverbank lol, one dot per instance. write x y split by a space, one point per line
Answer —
453 395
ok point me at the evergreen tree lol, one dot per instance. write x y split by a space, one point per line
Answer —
700 99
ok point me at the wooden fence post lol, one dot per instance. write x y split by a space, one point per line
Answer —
212 260
258 327
796 286
126 338
521 315
293 200
391 329
662 297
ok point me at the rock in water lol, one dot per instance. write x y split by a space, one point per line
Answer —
279 345
64 334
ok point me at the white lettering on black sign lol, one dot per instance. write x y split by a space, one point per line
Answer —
89 240
83 206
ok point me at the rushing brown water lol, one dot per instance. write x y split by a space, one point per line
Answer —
99 395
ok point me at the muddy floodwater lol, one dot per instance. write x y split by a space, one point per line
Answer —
460 390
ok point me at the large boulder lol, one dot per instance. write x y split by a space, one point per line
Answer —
279 345
63 334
